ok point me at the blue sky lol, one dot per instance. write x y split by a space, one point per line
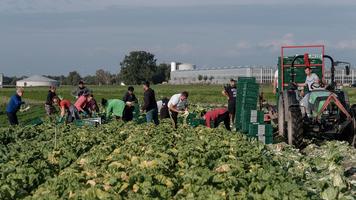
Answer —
55 37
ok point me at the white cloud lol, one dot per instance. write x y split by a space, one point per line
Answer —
239 48
345 45
184 49
275 44
33 6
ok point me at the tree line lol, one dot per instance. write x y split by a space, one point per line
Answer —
136 67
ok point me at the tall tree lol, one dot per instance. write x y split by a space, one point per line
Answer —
200 77
103 77
90 80
73 78
162 73
137 67
205 78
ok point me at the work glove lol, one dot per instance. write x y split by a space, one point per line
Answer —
60 120
85 114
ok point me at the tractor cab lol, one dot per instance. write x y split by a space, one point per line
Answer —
309 103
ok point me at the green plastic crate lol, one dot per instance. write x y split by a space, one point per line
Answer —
256 116
246 79
81 123
262 132
194 121
34 122
250 116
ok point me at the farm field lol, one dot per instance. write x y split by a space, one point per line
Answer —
139 161
198 94
131 161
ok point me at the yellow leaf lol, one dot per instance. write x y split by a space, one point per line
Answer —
91 182
123 187
135 188
223 168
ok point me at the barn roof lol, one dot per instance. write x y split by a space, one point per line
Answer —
38 78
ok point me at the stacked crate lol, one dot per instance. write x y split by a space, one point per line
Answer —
251 116
246 100
263 132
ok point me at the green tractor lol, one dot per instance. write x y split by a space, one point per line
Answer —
324 112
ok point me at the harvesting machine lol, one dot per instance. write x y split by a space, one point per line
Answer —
325 111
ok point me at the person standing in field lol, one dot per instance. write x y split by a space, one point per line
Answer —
13 106
275 82
66 108
217 116
230 92
130 101
178 104
113 107
150 104
49 102
81 90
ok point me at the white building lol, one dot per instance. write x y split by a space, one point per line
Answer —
189 74
36 80
263 74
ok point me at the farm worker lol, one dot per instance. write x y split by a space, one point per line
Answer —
130 101
91 107
217 115
178 104
163 108
230 92
310 79
66 107
81 103
81 90
49 103
150 104
275 82
113 107
14 105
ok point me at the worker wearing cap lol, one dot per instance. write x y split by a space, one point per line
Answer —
113 107
13 106
81 90
230 92
217 116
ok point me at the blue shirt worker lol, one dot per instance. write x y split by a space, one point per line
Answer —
13 106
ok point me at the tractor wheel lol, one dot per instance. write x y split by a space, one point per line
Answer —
349 133
295 127
351 130
281 121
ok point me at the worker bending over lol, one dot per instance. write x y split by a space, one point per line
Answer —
217 116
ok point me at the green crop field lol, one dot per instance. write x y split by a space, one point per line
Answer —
140 161
198 94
